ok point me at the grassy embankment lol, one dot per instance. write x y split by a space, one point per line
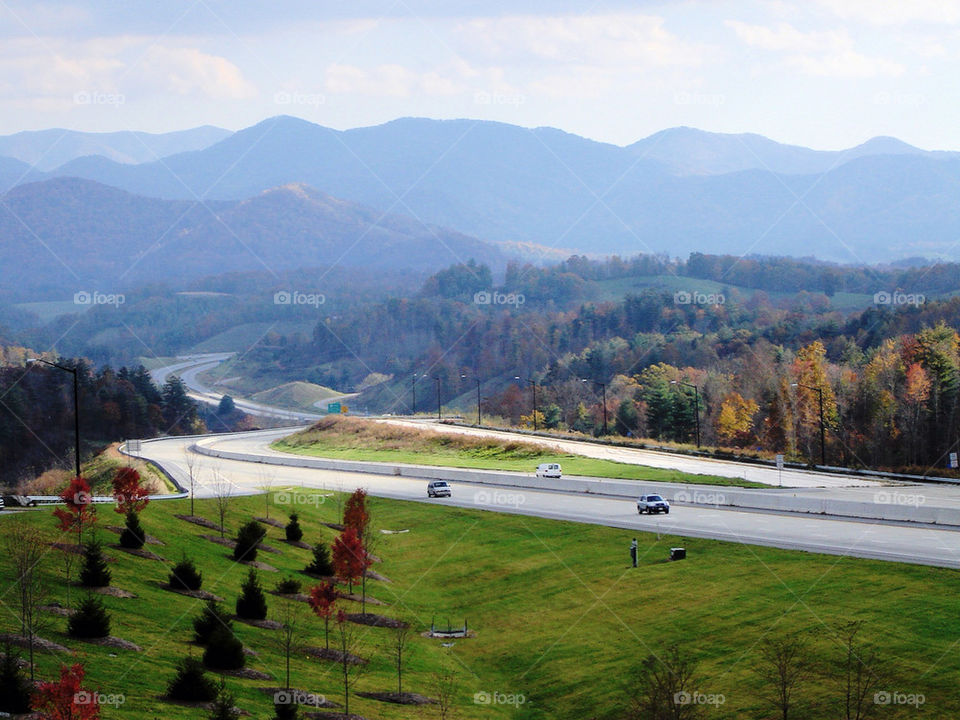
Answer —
355 439
559 616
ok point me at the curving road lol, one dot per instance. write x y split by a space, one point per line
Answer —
927 545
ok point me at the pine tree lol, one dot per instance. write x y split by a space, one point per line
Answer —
15 688
252 604
191 683
133 536
212 616
91 619
223 705
321 565
293 530
249 536
94 572
224 652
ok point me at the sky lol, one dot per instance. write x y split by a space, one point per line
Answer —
827 74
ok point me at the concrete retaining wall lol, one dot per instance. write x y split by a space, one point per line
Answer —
896 504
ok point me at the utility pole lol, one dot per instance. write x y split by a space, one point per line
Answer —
439 406
76 407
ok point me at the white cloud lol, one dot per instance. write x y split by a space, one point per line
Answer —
390 81
828 53
584 40
896 12
188 71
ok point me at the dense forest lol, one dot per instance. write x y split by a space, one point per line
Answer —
37 412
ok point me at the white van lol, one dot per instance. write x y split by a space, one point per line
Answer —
549 470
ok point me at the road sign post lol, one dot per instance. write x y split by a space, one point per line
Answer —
780 470
334 408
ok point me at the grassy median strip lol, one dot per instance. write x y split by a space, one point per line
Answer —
348 438
561 620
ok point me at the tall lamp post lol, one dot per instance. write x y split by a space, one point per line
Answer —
413 388
439 406
76 406
696 403
533 385
603 390
464 377
823 434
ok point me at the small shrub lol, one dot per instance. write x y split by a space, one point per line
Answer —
250 535
15 687
185 576
252 604
133 536
91 620
212 616
191 683
94 572
321 564
286 711
293 529
289 586
223 705
224 651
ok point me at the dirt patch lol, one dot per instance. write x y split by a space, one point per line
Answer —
299 597
320 715
398 698
376 576
150 539
114 642
357 598
333 655
198 594
38 643
374 620
114 592
226 542
196 520
299 544
140 553
245 674
262 624
58 609
321 578
301 697
271 522
198 705
257 564
68 547
334 526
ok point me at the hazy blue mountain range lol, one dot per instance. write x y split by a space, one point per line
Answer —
69 235
678 191
48 149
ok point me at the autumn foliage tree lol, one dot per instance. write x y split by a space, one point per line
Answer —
131 498
78 511
349 557
66 699
323 600
355 513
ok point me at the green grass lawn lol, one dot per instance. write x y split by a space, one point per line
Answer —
559 616
355 439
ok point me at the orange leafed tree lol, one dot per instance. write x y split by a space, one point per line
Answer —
66 699
130 495
355 512
349 557
323 599
78 511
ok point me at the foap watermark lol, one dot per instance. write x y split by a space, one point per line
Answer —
498 698
698 698
488 297
482 97
298 498
84 297
683 97
498 498
82 498
893 497
885 697
898 298
93 97
698 497
86 697
298 697
295 297
685 297
286 97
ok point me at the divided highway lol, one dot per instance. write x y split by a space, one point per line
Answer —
925 544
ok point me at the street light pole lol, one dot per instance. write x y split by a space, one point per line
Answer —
439 406
413 388
823 434
603 389
76 407
477 380
696 401
533 385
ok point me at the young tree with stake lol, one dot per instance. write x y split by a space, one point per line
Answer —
323 599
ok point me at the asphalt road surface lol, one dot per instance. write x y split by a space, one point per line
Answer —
922 545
